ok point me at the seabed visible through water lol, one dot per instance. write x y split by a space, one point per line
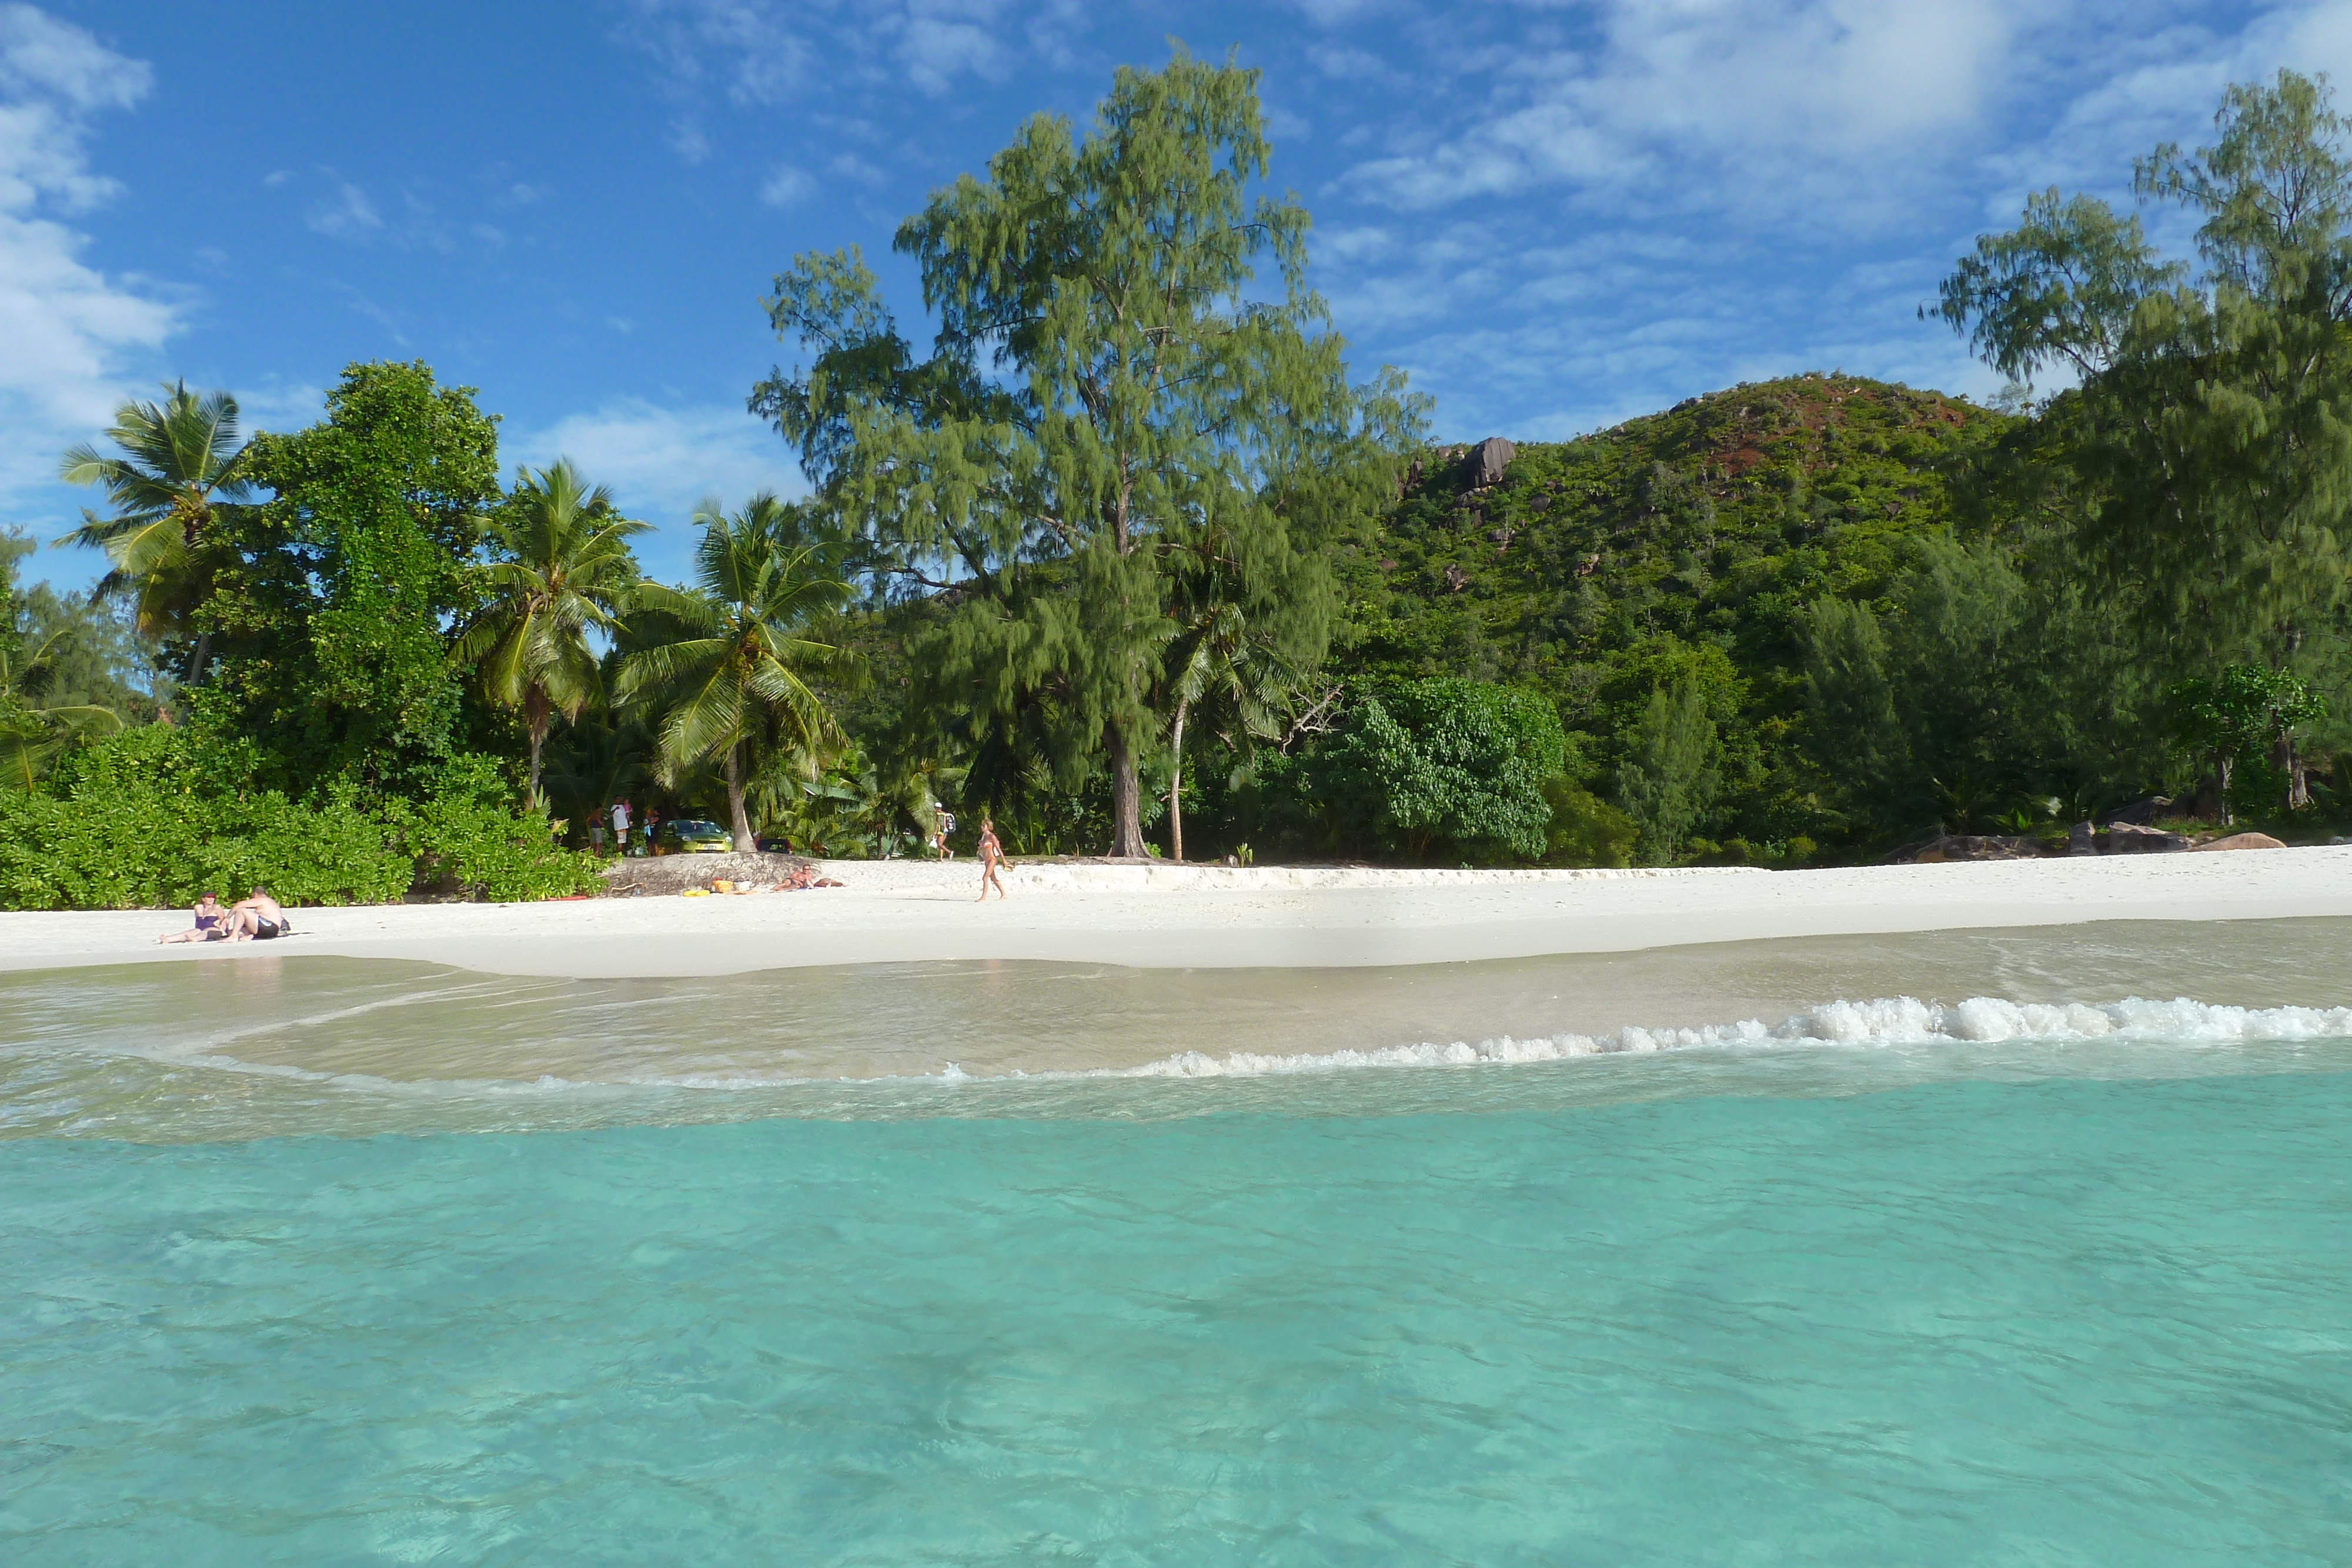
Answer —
1962 1248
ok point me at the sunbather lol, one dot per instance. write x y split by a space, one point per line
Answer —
214 924
259 917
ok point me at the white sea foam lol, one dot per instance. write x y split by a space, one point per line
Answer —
1884 1021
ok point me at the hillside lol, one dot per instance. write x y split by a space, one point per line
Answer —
1679 545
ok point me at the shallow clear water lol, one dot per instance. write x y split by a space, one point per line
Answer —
336 1266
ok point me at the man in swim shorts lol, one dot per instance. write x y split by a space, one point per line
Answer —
261 917
621 826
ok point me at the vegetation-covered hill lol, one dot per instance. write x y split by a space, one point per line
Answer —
1677 547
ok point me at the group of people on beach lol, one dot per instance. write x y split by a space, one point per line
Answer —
260 918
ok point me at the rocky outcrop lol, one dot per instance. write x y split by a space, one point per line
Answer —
2141 812
660 874
2245 841
1966 847
1487 463
2130 839
2083 838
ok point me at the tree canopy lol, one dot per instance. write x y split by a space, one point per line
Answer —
1113 387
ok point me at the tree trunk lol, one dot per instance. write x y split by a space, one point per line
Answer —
2290 762
1126 801
1176 787
197 659
742 823
537 739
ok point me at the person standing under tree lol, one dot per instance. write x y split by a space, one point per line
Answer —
945 825
992 854
621 826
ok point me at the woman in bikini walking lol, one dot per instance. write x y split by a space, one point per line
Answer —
992 854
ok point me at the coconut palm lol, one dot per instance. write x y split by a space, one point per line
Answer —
180 458
32 734
729 683
564 570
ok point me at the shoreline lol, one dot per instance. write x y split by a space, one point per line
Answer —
1220 917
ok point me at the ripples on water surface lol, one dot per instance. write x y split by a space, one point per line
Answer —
739 1271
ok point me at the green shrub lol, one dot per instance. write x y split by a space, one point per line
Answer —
1446 770
154 817
467 837
1587 830
147 818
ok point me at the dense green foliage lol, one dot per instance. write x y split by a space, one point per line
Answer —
326 745
1137 556
1124 432
157 816
330 601
2198 471
1676 554
1444 768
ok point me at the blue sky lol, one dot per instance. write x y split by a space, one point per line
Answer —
1552 215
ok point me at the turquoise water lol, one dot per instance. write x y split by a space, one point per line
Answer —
2024 1301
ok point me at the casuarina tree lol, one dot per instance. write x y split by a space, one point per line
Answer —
1113 378
2211 431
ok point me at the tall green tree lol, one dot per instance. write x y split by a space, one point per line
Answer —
2211 428
1670 774
1112 379
331 599
2248 716
561 567
729 683
176 462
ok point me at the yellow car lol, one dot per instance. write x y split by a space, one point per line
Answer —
684 836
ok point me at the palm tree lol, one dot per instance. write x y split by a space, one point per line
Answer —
179 459
31 734
566 570
731 684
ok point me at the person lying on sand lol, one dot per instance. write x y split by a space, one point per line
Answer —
213 924
805 876
261 917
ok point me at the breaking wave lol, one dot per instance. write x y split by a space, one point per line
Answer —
1886 1021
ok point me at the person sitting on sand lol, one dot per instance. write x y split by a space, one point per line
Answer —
992 854
261 917
213 923
804 876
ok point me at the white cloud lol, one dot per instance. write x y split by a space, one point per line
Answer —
345 213
850 166
663 461
1726 101
77 339
761 53
786 186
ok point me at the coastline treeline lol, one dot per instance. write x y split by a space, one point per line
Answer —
1127 556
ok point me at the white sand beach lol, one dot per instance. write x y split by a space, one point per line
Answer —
1216 918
